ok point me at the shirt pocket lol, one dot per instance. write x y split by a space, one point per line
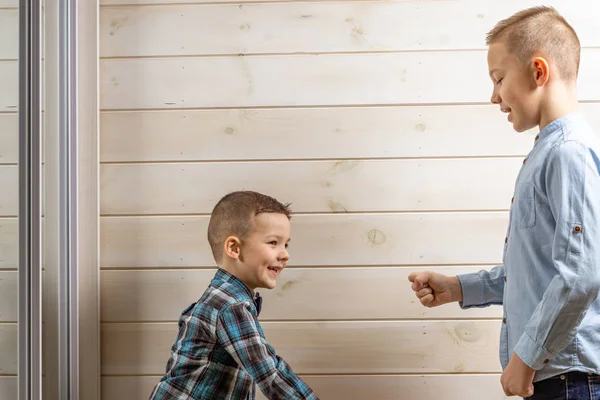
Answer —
525 205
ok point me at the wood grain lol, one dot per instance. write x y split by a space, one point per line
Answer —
319 186
9 243
8 387
9 84
8 349
9 290
383 387
9 33
317 240
316 27
313 133
9 138
308 80
9 191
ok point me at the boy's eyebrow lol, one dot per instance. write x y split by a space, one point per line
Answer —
279 237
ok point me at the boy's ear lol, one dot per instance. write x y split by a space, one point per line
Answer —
232 247
541 70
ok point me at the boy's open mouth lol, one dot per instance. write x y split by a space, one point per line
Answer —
275 270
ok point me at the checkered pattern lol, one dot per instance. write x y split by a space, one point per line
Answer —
221 352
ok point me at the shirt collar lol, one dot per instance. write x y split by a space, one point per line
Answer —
559 124
237 289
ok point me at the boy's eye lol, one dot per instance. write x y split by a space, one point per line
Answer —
499 80
274 243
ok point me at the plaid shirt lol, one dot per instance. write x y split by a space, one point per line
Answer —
221 351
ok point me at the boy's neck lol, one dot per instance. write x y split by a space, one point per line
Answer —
561 100
233 271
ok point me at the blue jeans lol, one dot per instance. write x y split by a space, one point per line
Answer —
570 386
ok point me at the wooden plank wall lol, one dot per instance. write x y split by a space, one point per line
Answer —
9 46
371 117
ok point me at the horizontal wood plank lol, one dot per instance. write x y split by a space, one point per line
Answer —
8 387
9 243
301 294
314 133
383 387
176 2
9 138
9 84
319 133
9 191
8 349
9 34
320 186
317 27
308 80
9 291
317 240
328 347
192 2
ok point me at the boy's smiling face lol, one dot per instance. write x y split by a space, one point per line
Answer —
263 254
515 88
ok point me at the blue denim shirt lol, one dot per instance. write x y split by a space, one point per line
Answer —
550 277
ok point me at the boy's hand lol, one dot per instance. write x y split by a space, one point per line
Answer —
517 378
434 289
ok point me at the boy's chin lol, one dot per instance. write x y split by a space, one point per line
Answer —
520 127
269 283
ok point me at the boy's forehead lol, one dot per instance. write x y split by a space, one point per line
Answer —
496 53
497 56
271 224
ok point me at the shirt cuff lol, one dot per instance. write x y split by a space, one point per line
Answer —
472 290
531 353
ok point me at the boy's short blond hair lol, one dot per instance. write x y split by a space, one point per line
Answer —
234 215
540 31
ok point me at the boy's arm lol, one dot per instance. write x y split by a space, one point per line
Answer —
483 288
239 333
573 186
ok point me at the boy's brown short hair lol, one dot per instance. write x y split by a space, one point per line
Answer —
540 31
234 215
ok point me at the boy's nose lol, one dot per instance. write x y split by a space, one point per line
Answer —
495 98
284 255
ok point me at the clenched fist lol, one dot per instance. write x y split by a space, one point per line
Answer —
434 289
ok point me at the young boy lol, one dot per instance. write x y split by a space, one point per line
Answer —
550 277
221 351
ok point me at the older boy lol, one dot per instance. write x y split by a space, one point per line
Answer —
221 351
550 277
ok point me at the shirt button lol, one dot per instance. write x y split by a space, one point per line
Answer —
546 361
503 320
537 137
577 229
505 240
524 160
504 279
512 200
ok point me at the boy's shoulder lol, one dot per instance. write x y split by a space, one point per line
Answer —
224 291
577 130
